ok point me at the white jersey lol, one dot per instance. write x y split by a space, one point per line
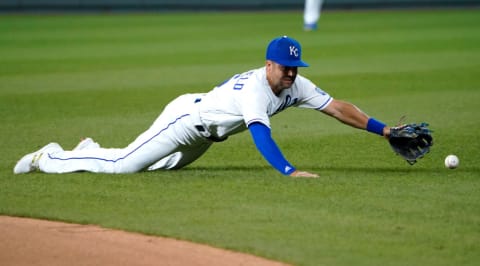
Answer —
247 98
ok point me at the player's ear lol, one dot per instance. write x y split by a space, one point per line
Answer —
268 64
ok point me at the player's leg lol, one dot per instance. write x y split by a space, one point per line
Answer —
173 129
136 156
182 157
85 144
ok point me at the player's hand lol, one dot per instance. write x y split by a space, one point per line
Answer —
303 174
386 132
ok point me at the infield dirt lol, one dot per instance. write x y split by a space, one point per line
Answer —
37 242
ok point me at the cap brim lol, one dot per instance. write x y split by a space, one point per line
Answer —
296 63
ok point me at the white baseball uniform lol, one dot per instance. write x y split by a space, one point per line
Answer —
190 124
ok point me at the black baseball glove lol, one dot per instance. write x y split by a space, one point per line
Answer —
411 141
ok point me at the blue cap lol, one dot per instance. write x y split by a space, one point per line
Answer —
286 52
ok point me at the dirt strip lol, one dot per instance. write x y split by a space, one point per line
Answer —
37 242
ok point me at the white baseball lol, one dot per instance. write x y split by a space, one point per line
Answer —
451 161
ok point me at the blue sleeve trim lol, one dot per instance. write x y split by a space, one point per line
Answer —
262 137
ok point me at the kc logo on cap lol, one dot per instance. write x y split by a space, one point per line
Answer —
294 51
285 51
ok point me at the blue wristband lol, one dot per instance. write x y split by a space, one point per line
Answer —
375 126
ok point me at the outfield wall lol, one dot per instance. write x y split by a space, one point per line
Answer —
168 5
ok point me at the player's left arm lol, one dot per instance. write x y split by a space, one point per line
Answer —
411 141
351 115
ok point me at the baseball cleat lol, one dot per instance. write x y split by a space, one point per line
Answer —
29 162
86 144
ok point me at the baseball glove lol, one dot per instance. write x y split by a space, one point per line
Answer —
411 141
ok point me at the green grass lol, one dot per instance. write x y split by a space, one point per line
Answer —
63 77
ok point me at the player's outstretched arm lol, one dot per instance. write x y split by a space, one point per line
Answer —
347 113
351 115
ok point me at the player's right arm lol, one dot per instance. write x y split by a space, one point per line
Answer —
264 142
252 99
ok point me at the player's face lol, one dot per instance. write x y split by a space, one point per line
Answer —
280 77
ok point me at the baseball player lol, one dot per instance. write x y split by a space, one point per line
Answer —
191 123
311 14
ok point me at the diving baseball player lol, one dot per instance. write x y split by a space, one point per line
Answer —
191 123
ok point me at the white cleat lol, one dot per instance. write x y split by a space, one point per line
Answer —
29 162
86 144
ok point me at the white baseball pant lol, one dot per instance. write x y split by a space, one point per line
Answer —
172 141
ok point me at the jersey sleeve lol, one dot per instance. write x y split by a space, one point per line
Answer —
256 112
312 96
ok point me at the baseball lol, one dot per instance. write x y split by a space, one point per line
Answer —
451 161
